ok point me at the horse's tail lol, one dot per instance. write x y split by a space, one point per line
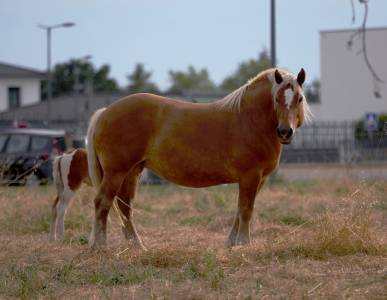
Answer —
94 166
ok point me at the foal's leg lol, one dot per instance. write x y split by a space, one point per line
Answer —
124 199
61 209
102 203
52 234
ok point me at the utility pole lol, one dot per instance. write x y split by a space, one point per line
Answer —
272 35
49 75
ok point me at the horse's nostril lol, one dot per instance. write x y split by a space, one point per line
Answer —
284 132
290 133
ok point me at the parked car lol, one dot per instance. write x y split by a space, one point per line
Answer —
28 152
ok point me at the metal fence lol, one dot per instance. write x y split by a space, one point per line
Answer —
335 142
319 142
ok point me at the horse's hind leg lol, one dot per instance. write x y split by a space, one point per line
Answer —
102 203
124 200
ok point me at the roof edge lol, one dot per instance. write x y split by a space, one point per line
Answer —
351 29
22 68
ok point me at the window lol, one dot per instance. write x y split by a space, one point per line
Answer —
13 97
17 143
39 143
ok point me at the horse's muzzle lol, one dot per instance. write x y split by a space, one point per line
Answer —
285 134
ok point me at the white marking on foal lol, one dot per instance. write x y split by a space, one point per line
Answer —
65 194
288 97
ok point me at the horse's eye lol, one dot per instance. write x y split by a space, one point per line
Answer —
300 99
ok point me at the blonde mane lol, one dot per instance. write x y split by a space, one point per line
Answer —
233 100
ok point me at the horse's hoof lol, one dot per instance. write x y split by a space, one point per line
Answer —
242 240
229 243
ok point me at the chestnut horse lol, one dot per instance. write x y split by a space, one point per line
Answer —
234 140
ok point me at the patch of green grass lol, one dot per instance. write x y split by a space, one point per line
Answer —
202 203
142 205
22 282
105 274
120 275
81 239
293 219
176 209
207 268
381 205
77 222
301 187
204 219
39 224
342 190
282 215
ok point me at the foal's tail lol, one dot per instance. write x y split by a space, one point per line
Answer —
57 171
95 170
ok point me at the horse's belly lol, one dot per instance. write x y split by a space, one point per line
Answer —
187 173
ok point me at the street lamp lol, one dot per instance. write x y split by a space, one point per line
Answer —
272 34
49 77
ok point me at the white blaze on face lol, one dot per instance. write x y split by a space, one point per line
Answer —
288 97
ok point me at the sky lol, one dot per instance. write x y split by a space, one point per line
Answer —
173 34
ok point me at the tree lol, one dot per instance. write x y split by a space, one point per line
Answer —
312 91
102 82
246 70
76 75
139 81
191 80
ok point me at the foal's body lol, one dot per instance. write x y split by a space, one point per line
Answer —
230 141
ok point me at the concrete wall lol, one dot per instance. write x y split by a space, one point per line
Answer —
347 88
29 91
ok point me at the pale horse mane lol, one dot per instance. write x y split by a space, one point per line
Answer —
233 100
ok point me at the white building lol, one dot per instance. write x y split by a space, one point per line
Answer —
347 86
19 86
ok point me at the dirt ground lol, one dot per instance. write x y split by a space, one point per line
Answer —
312 239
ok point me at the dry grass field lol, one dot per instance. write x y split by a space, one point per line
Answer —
311 240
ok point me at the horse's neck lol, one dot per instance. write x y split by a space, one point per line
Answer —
258 105
258 117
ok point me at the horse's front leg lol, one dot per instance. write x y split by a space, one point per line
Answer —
240 231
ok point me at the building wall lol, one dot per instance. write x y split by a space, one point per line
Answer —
29 91
347 88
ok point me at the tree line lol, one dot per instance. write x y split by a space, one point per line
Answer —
80 76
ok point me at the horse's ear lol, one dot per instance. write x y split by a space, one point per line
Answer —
301 77
278 77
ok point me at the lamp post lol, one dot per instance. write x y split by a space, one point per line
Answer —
49 77
81 107
272 34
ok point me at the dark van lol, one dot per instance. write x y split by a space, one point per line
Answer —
29 151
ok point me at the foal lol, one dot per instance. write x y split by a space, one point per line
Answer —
69 172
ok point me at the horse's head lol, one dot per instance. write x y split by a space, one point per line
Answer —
289 103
